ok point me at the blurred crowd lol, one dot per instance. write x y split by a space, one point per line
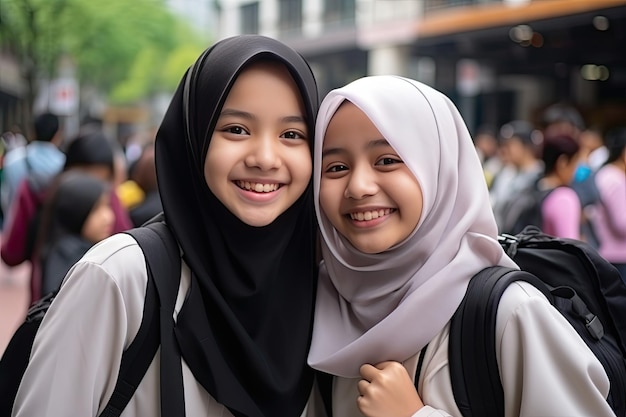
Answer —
565 177
59 196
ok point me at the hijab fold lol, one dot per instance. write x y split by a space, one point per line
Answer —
387 306
244 329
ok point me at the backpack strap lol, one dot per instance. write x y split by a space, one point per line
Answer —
163 266
474 371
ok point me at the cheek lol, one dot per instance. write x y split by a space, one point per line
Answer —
302 165
330 196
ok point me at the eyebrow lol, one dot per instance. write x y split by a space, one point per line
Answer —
250 116
372 144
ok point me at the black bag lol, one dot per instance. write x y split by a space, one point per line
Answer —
585 288
163 265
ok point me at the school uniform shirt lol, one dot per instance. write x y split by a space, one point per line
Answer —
531 337
101 306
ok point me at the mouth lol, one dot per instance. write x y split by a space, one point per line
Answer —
364 216
257 187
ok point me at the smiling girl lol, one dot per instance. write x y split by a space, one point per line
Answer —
233 162
406 222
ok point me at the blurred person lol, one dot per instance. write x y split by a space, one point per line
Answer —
520 142
561 209
592 147
90 153
609 215
487 147
36 162
144 175
77 214
562 119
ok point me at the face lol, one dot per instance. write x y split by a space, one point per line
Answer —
367 192
259 161
99 223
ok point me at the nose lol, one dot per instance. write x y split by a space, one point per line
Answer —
264 153
361 184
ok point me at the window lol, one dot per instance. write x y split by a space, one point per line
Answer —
290 16
339 12
249 18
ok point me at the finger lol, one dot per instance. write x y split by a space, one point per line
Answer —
368 372
363 386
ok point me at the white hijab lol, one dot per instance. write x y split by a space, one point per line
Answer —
388 306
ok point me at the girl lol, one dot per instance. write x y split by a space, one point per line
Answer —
77 215
561 209
233 160
405 219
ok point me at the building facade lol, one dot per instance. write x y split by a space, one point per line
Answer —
497 59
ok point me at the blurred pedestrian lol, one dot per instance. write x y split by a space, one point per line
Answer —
76 214
37 162
561 209
91 153
609 214
521 143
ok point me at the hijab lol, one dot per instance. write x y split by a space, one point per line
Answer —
245 326
388 306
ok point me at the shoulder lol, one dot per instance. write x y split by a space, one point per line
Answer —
519 295
562 195
119 257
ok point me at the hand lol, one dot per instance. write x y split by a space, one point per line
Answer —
387 391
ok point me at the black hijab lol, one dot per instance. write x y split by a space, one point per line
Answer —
245 327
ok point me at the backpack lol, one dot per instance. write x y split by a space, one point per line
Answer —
163 265
523 209
586 289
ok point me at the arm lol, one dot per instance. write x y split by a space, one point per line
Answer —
545 367
76 355
613 198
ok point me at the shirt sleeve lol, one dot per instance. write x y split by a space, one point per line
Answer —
546 368
77 352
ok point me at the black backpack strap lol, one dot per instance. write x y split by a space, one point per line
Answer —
472 350
163 266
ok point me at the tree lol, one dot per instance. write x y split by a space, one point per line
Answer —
107 41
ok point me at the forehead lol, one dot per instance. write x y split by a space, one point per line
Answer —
349 125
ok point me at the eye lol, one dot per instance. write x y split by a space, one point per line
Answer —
388 161
292 134
337 168
235 130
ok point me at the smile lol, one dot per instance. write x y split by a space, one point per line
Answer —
370 215
257 186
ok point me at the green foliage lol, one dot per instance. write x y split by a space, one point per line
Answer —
123 46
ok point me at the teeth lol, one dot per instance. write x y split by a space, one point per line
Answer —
258 187
369 215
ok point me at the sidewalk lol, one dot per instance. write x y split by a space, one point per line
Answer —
14 298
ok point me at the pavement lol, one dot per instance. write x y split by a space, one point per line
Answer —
14 299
